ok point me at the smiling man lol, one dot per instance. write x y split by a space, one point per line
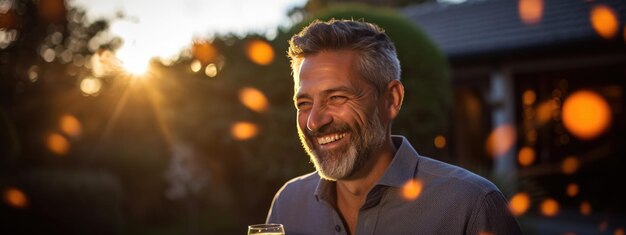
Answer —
347 93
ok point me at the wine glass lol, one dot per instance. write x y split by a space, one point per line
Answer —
266 229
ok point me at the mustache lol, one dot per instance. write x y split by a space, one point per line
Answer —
325 130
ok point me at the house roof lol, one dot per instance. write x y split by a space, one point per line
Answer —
482 27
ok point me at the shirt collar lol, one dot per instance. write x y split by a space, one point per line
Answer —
403 167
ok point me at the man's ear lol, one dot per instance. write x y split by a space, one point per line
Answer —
395 96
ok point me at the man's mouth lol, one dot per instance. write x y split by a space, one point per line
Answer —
327 139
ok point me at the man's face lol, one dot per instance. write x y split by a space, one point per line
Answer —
339 124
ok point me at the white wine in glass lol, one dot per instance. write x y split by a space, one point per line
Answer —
266 229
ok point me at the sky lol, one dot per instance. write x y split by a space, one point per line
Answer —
162 28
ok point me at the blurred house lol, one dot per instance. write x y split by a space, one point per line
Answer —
539 94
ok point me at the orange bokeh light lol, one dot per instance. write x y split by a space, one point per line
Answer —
570 165
58 144
440 141
52 11
586 114
412 189
572 189
604 21
501 140
8 20
204 51
549 207
519 203
244 130
545 111
526 156
260 52
15 198
585 208
619 231
253 99
90 86
529 97
70 125
530 11
195 65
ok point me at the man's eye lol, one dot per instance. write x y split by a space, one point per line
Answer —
338 99
301 105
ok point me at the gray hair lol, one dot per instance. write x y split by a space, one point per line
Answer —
377 61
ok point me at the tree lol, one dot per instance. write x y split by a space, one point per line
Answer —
45 50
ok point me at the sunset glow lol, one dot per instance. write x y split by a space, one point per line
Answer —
134 60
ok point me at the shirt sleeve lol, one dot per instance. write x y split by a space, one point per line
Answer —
493 217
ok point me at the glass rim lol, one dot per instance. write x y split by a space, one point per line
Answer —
264 225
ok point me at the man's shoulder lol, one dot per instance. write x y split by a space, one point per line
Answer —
304 184
454 175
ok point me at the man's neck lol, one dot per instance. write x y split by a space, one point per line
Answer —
351 193
362 181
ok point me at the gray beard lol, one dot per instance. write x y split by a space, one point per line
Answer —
342 163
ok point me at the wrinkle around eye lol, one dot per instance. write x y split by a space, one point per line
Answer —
303 105
337 99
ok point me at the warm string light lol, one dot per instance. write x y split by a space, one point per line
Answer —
519 203
604 21
586 114
15 198
412 189
244 130
530 11
260 52
501 140
253 99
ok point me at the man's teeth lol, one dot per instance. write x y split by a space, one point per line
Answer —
330 138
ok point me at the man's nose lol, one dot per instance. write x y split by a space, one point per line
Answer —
318 117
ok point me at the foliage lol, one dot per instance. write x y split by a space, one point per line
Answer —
313 7
46 52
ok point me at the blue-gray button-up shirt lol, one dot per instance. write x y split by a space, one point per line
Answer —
452 201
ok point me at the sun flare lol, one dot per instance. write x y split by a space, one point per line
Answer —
134 62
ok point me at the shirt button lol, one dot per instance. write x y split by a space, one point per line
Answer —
338 228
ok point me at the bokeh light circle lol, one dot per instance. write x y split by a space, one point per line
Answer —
586 114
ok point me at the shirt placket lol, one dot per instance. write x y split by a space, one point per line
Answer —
368 214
